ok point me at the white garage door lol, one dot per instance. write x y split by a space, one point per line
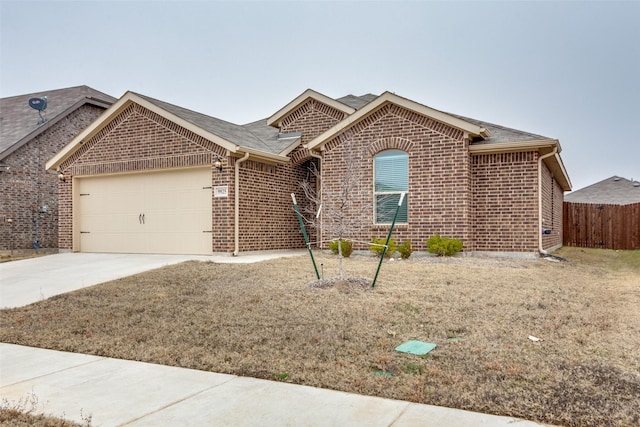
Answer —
166 212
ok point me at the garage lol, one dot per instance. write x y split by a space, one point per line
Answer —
163 212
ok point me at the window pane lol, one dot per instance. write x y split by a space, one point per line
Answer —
386 205
392 171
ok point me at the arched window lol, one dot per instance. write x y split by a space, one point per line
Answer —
391 178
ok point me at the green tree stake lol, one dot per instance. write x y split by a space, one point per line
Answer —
304 233
386 245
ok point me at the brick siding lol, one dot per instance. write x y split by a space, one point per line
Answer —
138 140
438 201
552 200
27 186
505 202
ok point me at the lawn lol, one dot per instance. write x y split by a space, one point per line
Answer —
264 320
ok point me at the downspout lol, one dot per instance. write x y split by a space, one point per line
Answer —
540 159
319 157
236 225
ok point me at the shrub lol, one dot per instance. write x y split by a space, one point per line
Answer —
443 246
405 249
347 247
378 247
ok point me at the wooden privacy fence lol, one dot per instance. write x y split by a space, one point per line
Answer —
591 225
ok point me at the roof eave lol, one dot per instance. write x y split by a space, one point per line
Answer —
543 146
276 118
263 156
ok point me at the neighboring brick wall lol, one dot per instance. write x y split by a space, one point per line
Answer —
438 175
505 202
27 186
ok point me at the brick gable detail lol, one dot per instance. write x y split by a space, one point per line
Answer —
139 139
438 198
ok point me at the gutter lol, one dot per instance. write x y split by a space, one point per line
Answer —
540 159
236 224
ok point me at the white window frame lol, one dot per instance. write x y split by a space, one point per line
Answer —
376 194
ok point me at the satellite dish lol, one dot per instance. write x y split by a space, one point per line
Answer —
39 104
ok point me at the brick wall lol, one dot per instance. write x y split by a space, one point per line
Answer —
27 186
311 118
438 201
267 218
552 199
139 140
504 203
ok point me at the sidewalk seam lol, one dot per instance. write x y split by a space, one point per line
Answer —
162 408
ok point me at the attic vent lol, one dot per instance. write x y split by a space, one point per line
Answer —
616 178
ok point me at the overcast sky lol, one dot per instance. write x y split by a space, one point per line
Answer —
567 70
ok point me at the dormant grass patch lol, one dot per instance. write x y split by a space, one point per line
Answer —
264 320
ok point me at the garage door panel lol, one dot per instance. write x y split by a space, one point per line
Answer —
160 212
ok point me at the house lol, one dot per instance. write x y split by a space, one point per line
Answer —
611 191
604 215
28 137
149 176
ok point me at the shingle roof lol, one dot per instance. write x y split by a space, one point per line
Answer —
256 135
19 122
357 102
498 133
612 191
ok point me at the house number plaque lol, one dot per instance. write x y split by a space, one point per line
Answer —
221 191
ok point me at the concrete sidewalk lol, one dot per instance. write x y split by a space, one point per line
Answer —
117 392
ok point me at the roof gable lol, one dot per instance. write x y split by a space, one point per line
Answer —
613 191
19 122
276 118
387 98
234 138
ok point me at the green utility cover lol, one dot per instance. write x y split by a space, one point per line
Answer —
416 347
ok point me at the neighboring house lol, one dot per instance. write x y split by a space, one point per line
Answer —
28 193
604 215
611 191
152 177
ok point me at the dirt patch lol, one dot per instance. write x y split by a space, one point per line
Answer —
264 320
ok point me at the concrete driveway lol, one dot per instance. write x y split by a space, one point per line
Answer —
35 279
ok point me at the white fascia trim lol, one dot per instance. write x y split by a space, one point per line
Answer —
274 120
261 155
387 98
501 147
290 147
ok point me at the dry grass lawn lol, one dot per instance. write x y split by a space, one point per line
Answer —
264 320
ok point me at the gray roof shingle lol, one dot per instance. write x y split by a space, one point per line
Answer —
611 191
357 102
256 135
19 122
